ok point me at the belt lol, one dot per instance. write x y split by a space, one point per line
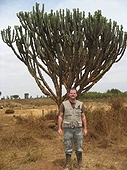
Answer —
72 125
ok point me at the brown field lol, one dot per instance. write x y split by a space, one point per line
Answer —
29 139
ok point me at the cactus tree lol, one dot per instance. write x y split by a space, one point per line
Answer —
68 47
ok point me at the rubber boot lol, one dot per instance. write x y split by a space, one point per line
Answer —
79 159
68 162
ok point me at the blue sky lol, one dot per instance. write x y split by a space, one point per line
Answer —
14 76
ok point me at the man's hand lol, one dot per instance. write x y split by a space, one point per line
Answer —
84 132
60 132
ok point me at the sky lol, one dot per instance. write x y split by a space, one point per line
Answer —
14 76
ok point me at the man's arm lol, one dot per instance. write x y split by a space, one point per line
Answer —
60 120
84 121
84 124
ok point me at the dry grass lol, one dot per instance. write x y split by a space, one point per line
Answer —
108 124
25 139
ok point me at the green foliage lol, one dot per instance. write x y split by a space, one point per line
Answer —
114 91
108 94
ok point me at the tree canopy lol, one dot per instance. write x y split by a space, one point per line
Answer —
67 47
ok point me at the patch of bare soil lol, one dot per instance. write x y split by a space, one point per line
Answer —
48 153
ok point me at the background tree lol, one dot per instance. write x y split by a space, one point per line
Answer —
26 95
65 47
15 96
114 91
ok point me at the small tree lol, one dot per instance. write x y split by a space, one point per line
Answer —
26 95
15 96
71 49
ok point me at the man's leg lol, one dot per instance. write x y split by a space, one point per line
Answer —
78 141
68 135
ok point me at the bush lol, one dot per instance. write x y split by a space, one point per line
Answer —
108 124
9 111
116 103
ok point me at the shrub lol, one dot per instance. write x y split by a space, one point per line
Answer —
116 103
108 124
9 111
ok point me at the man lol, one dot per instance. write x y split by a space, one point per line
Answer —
72 118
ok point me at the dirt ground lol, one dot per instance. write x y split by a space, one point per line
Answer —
97 155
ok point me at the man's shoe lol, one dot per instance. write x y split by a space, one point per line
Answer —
79 159
68 162
81 168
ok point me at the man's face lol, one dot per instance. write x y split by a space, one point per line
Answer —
72 94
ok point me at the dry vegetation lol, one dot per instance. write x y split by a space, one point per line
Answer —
29 139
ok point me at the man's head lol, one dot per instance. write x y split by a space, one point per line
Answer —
72 94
